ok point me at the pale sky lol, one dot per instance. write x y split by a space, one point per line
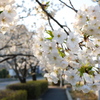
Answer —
69 14
66 14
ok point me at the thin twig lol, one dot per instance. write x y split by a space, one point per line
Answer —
71 4
68 6
67 27
81 45
50 23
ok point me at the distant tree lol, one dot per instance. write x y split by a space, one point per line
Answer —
16 49
4 73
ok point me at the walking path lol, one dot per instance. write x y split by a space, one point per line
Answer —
55 93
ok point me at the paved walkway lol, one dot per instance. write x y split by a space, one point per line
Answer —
55 93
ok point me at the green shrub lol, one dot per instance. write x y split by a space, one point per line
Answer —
44 85
13 95
4 73
34 88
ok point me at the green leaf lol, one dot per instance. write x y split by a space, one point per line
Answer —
61 53
82 70
48 2
90 67
97 46
1 12
50 38
46 5
86 69
50 33
91 72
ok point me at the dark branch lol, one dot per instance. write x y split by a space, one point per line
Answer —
42 6
8 46
81 45
6 59
14 55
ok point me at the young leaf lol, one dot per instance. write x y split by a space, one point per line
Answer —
50 33
1 12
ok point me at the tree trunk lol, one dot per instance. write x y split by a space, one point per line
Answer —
34 77
33 71
23 80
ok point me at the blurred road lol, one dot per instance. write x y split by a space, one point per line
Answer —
55 93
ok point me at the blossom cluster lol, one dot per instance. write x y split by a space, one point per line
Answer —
87 21
76 56
98 1
7 15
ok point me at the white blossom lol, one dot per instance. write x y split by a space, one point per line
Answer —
72 76
59 36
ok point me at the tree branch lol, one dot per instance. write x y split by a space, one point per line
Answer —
69 6
5 59
50 23
14 55
72 5
42 6
67 27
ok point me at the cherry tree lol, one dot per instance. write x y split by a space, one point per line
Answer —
16 41
65 52
17 52
72 54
